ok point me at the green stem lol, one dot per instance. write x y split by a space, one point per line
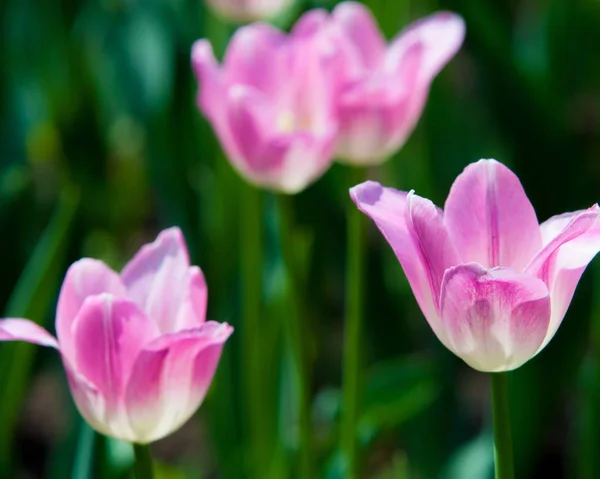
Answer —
251 234
143 462
353 328
503 454
294 329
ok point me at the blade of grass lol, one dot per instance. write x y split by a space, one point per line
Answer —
31 299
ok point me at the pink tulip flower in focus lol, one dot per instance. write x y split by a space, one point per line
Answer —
272 104
137 351
385 87
492 282
243 11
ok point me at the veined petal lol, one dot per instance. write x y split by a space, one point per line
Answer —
495 320
170 379
359 26
108 333
157 276
86 277
17 329
405 227
490 219
564 258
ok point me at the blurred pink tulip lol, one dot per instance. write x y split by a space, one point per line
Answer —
244 11
385 87
271 104
493 283
138 353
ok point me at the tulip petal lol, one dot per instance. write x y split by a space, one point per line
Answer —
379 112
108 334
490 219
16 329
495 320
157 276
252 58
86 277
90 403
192 311
440 34
406 221
170 379
361 29
564 258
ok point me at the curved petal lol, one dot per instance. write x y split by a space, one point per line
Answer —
108 334
253 58
495 320
89 401
440 34
192 311
86 277
564 258
17 329
310 23
157 276
206 69
170 379
378 113
413 228
490 218
251 120
360 27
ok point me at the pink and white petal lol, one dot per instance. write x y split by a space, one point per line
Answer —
389 209
253 56
306 159
108 334
440 34
252 121
431 236
17 329
553 226
156 278
490 218
564 258
360 28
86 277
171 378
192 312
495 320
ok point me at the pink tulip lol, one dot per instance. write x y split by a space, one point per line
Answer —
493 283
243 11
138 353
385 87
271 104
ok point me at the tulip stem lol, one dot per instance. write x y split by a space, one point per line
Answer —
503 454
294 327
143 462
251 264
355 237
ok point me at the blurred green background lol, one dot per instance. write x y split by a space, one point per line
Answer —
101 145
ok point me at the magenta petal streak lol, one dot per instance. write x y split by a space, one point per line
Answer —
137 351
492 282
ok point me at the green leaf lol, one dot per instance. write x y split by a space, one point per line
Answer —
31 298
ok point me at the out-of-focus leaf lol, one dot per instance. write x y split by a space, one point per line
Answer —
31 299
473 460
395 391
